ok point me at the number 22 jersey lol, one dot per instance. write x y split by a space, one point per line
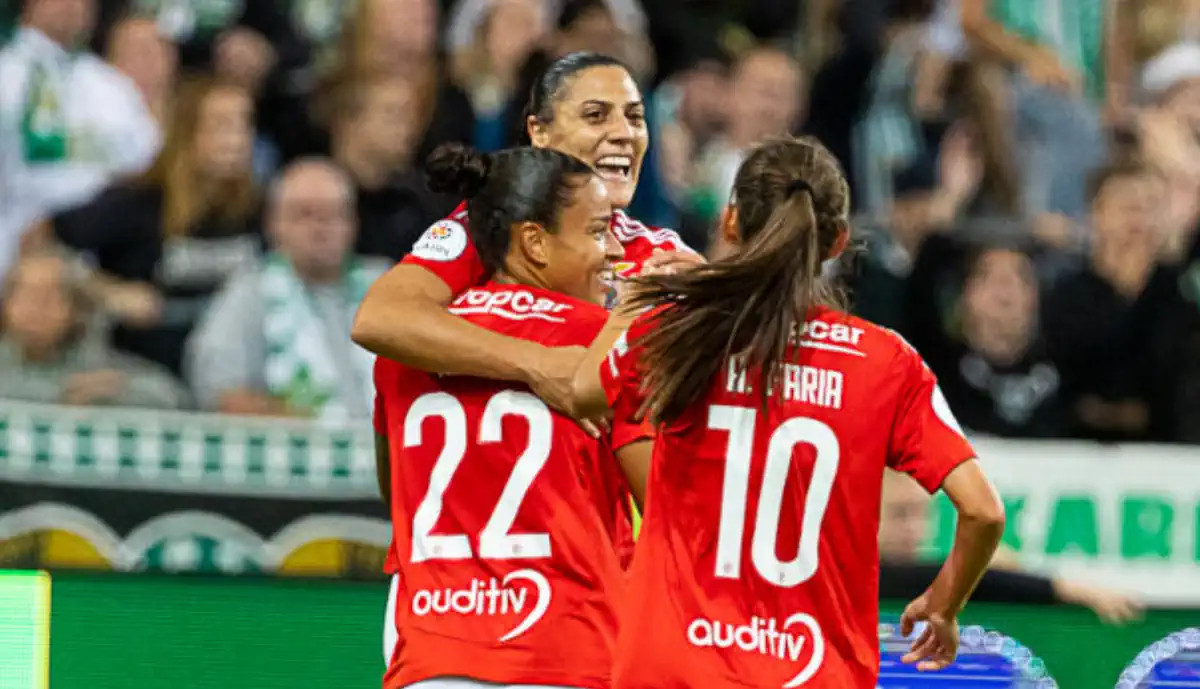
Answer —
757 564
506 516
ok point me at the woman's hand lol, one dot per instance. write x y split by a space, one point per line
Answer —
553 381
1112 607
670 262
93 387
132 303
937 646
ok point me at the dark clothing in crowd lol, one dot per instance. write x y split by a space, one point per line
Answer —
392 218
1117 350
909 580
1017 399
123 234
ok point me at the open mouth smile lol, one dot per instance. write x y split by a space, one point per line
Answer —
616 168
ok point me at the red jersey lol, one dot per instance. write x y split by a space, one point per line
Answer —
503 518
446 249
757 564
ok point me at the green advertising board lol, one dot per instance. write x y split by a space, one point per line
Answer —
191 632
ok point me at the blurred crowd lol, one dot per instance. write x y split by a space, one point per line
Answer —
195 194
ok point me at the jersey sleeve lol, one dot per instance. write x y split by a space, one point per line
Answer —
927 443
446 250
623 389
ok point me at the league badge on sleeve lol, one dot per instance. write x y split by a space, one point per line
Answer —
446 240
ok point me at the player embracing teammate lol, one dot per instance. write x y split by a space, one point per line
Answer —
774 415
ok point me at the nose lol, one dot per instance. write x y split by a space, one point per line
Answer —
613 249
621 130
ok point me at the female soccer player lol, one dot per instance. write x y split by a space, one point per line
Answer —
777 412
505 514
586 105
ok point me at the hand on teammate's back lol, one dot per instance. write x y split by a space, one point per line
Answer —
553 381
937 646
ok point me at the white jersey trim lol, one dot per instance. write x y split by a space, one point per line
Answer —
627 229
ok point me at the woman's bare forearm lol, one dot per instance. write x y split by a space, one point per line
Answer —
980 526
404 318
590 398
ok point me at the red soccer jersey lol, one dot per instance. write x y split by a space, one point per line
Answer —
757 563
502 513
446 249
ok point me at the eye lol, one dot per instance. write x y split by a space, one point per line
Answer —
594 116
637 116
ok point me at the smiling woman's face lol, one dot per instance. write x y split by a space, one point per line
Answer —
599 117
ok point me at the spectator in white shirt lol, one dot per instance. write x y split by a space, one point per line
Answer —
69 122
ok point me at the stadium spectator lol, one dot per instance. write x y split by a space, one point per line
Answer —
238 42
1167 129
57 147
399 37
1059 81
374 135
276 339
993 368
1110 328
928 197
767 97
890 134
52 349
687 111
489 68
167 240
139 50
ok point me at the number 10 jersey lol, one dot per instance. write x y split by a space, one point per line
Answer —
757 564
507 518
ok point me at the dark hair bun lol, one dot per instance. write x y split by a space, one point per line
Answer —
455 168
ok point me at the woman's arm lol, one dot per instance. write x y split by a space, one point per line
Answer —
404 318
980 526
634 460
587 389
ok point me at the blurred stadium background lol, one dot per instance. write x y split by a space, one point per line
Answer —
1027 178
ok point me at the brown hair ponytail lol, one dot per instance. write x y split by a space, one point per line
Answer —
792 200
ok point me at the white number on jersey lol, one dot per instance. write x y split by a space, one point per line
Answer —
739 422
495 540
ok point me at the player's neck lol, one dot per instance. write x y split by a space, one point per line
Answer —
518 275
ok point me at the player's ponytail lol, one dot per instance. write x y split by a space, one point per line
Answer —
504 189
791 202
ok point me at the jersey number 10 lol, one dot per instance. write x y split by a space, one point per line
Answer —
740 422
495 540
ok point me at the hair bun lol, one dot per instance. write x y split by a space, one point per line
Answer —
455 168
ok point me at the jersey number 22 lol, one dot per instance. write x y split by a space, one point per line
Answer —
495 540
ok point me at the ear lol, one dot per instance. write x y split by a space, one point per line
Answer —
842 241
729 225
531 238
539 136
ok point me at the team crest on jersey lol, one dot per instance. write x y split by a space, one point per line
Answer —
446 240
624 268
